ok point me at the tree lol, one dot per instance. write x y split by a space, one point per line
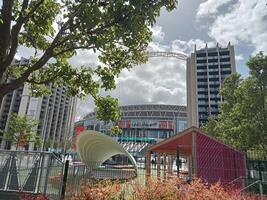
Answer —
56 30
21 130
242 121
48 143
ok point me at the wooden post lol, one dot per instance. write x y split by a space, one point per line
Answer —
169 165
158 165
194 154
165 166
148 165
190 167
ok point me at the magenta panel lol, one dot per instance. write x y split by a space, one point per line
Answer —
216 161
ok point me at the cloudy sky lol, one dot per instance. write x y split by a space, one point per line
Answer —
162 80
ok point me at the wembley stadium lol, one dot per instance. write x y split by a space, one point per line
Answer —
141 125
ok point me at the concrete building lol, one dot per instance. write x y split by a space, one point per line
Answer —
206 71
55 113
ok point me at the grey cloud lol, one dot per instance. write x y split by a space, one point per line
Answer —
157 34
245 22
211 7
160 80
84 106
86 58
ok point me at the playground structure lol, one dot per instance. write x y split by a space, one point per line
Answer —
198 155
95 148
205 157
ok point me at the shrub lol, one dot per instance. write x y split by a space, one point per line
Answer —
103 190
175 189
28 196
171 189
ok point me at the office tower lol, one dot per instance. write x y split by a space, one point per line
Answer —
206 70
55 113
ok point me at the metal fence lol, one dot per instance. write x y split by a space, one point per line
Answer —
79 175
256 177
30 172
42 172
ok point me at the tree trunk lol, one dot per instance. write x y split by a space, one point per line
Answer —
1 99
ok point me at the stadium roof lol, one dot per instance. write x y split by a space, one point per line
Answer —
148 110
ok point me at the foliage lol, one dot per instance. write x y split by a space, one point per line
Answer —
171 189
68 144
118 31
116 130
21 130
242 121
104 190
175 189
28 196
48 143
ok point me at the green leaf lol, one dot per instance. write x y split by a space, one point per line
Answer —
242 121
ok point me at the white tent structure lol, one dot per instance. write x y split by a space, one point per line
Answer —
95 148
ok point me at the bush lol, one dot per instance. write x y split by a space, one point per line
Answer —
174 189
28 196
104 190
171 189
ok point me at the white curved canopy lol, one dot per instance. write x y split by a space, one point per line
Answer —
94 148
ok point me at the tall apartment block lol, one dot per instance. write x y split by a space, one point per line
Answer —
55 113
206 71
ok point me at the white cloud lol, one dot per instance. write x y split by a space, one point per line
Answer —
157 34
160 80
86 58
239 57
244 22
188 46
211 7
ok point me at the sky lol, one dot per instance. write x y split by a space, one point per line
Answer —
163 80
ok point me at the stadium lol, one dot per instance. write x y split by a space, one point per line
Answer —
142 125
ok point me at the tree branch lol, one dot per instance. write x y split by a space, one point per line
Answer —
16 29
6 17
73 48
49 80
14 84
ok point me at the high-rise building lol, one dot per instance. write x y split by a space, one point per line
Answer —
55 113
206 71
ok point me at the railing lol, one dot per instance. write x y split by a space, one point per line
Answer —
29 172
252 184
237 179
41 172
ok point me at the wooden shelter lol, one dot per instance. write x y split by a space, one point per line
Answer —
202 156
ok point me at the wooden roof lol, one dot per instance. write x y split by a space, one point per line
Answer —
182 141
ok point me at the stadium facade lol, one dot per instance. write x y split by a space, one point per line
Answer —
141 125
